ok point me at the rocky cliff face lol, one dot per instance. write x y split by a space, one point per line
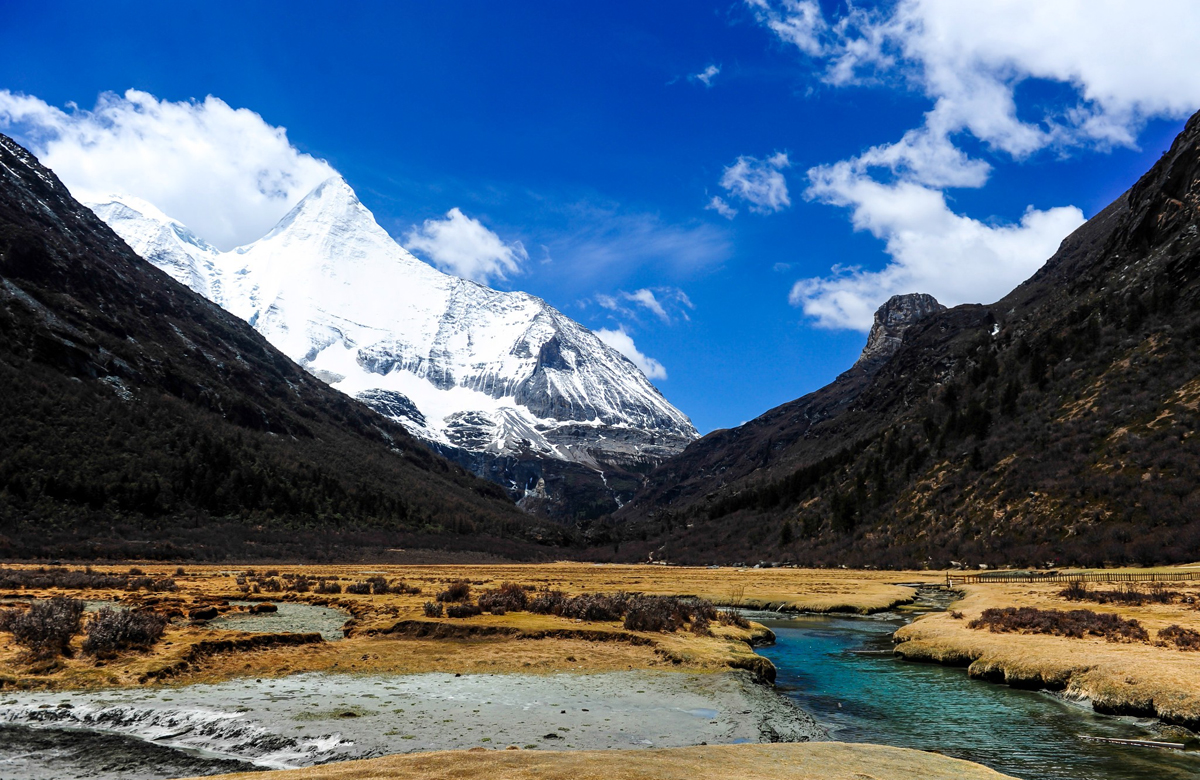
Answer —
892 319
482 375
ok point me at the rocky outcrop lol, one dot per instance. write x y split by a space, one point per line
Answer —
892 319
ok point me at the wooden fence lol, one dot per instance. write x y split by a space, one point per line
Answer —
1066 577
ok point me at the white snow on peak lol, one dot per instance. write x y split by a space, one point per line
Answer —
457 362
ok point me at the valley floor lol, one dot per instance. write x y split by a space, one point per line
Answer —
219 639
390 632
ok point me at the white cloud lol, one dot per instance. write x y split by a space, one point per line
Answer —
646 299
798 22
707 75
665 303
757 182
1123 63
462 246
933 250
224 172
1126 62
719 205
622 342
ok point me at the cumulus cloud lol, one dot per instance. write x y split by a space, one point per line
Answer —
933 250
224 172
1125 62
462 246
1121 64
622 342
759 183
706 76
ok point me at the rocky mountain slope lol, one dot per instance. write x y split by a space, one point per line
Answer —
499 381
1054 426
139 419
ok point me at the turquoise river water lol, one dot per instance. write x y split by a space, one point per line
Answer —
841 670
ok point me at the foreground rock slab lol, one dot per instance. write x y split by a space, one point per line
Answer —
808 761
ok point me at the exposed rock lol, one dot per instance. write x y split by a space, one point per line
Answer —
892 319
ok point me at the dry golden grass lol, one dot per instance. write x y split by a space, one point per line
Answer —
1134 677
381 634
806 761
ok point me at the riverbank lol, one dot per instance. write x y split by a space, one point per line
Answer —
391 633
814 761
1142 677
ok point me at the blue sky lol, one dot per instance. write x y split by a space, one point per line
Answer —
598 135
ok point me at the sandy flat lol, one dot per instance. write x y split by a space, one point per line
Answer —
806 761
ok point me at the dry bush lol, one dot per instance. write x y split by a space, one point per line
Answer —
112 630
298 583
730 617
462 610
548 602
1077 623
459 590
359 588
1076 590
597 607
668 613
87 579
328 587
434 609
46 628
509 597
1128 594
1179 637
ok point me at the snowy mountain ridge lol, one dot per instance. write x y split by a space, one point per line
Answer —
459 364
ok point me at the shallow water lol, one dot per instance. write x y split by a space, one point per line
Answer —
289 619
311 718
842 671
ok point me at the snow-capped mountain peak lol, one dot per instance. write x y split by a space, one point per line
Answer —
462 365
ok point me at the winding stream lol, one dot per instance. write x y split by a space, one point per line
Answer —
841 669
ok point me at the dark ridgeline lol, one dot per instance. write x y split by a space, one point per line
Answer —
138 419
1058 424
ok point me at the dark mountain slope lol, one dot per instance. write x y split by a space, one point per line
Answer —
140 419
1054 425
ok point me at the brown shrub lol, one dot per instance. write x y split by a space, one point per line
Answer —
509 597
1179 637
462 610
46 628
111 630
459 590
1076 623
730 617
